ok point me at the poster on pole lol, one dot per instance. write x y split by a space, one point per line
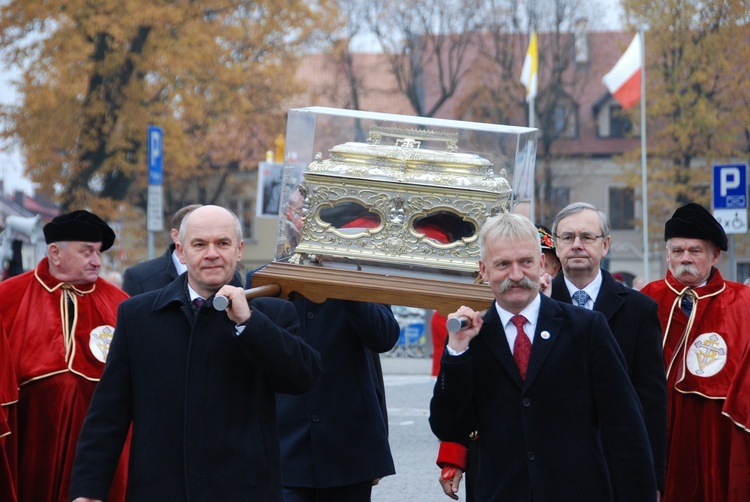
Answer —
270 176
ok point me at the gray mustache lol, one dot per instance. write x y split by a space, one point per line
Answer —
524 283
686 268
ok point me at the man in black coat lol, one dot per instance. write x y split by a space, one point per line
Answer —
334 438
631 315
197 385
582 236
158 272
544 383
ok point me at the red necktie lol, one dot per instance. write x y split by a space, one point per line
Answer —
522 347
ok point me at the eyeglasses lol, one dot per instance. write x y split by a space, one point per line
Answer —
568 238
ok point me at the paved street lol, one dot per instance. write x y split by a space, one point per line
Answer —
408 390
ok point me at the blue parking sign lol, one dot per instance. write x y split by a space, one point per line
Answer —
155 210
730 186
155 155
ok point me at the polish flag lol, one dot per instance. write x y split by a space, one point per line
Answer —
624 80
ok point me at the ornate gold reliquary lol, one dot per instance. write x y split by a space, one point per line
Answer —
405 199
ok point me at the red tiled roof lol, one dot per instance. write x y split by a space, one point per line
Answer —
46 212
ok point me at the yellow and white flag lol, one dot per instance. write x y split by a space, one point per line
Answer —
530 68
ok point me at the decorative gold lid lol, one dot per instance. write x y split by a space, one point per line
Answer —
406 161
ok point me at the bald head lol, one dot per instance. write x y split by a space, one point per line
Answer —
207 212
210 245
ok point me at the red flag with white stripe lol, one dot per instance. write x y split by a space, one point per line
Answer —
624 80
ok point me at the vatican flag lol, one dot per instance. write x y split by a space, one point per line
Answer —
530 68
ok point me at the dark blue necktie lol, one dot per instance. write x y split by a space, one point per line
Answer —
686 304
581 298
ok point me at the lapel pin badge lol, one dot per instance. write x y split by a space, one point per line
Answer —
545 335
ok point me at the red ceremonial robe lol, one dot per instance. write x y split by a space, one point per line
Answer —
8 398
707 355
56 371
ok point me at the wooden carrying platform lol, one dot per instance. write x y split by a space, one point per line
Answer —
319 283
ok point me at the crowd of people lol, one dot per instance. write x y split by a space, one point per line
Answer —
571 386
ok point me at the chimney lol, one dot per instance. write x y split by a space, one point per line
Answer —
18 197
581 40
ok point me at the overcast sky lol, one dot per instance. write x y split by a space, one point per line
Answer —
11 170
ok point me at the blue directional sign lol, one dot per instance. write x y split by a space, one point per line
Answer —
154 213
730 186
155 153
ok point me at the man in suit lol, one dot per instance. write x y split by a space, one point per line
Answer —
196 384
583 239
544 383
334 438
456 459
582 236
158 272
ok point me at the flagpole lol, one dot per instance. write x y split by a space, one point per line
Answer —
531 112
533 184
644 184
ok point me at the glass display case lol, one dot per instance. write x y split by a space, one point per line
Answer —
395 195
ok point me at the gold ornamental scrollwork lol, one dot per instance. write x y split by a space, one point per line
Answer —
411 207
412 138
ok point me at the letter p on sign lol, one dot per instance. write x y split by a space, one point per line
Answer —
729 180
730 186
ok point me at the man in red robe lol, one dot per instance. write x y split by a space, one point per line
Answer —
8 397
705 323
58 321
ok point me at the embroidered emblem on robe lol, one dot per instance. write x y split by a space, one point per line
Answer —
707 355
99 341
